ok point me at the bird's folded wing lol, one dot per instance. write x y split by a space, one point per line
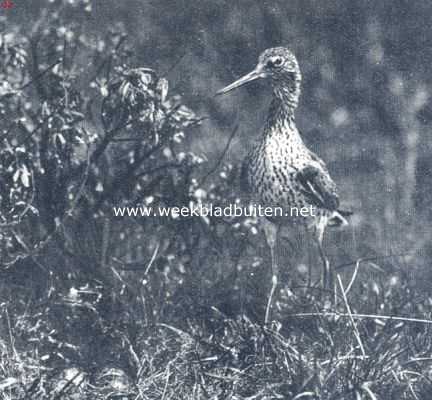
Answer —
244 181
318 187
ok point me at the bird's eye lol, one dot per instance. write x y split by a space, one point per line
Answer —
274 62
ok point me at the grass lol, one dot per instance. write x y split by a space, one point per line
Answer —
320 345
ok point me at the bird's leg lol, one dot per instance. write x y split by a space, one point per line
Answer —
271 232
309 262
327 279
274 283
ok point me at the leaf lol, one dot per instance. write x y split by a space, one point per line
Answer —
25 176
124 89
6 90
56 70
104 91
60 139
16 175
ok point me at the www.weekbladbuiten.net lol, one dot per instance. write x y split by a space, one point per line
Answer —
208 210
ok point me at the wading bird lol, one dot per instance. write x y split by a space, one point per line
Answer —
280 171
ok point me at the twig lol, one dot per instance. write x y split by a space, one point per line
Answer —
353 276
109 58
153 258
157 169
40 74
66 386
366 259
219 161
360 316
419 359
303 395
105 241
177 61
365 387
28 252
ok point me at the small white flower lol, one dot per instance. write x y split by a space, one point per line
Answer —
148 200
62 30
200 193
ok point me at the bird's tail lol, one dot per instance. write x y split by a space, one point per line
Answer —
338 219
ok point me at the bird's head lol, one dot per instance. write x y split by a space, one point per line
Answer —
280 66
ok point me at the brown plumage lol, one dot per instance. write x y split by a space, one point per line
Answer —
280 170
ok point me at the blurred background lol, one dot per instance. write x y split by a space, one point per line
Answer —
365 109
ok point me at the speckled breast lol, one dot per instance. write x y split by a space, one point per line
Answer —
271 172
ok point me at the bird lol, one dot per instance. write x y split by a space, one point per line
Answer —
280 170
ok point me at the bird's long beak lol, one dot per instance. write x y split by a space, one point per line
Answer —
257 73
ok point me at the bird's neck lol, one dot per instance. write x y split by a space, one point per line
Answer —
286 94
281 116
281 111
